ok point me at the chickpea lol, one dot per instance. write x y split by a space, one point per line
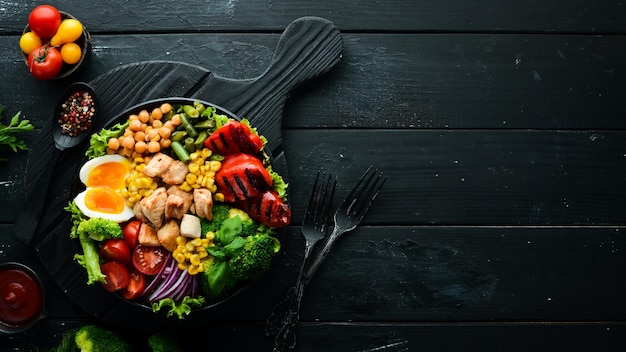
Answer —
154 147
157 114
141 147
114 144
166 108
140 136
128 143
135 125
144 116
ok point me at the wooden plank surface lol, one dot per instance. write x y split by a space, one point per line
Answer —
501 127
406 97
603 16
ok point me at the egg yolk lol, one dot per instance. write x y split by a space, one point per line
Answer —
104 200
109 174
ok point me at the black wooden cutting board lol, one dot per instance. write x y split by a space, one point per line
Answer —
308 47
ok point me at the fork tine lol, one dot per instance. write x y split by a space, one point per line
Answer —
327 203
311 205
365 192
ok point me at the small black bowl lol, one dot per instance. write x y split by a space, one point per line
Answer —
35 314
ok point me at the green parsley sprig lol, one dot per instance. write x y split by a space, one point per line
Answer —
8 138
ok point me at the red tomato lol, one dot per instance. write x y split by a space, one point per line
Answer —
149 259
131 232
45 62
115 250
117 276
44 20
136 285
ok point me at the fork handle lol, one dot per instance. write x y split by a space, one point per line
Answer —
334 235
285 308
286 336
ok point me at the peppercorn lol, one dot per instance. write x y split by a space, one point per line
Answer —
77 113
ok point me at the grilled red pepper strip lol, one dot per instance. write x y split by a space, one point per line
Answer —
234 137
241 177
267 208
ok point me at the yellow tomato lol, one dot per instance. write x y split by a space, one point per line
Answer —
29 41
69 30
70 53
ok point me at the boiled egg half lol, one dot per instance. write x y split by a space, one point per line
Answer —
104 178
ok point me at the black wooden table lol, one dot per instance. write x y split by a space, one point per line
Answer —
499 124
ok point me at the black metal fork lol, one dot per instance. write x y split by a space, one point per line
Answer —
346 219
314 227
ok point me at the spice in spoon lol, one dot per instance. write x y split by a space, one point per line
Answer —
77 113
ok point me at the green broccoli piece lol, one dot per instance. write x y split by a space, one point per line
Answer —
89 232
249 226
255 257
220 213
90 259
100 229
94 338
216 279
164 341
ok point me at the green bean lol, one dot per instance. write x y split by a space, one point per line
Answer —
199 106
190 145
184 121
180 151
178 135
206 124
199 142
190 111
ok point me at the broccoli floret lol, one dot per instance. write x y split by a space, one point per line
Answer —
100 229
94 338
164 341
216 278
249 226
90 259
220 213
255 257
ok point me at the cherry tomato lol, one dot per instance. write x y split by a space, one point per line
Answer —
45 62
131 232
136 286
71 53
149 259
44 20
29 41
117 276
115 250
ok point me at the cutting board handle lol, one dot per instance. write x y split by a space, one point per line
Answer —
309 47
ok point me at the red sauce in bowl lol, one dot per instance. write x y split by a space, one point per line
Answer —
21 297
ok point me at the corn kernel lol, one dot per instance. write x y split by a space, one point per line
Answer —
206 152
185 187
192 270
194 168
215 165
191 179
181 240
182 265
180 258
194 259
219 197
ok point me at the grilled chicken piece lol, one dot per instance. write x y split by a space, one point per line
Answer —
167 235
148 236
176 173
178 203
158 165
153 207
203 203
